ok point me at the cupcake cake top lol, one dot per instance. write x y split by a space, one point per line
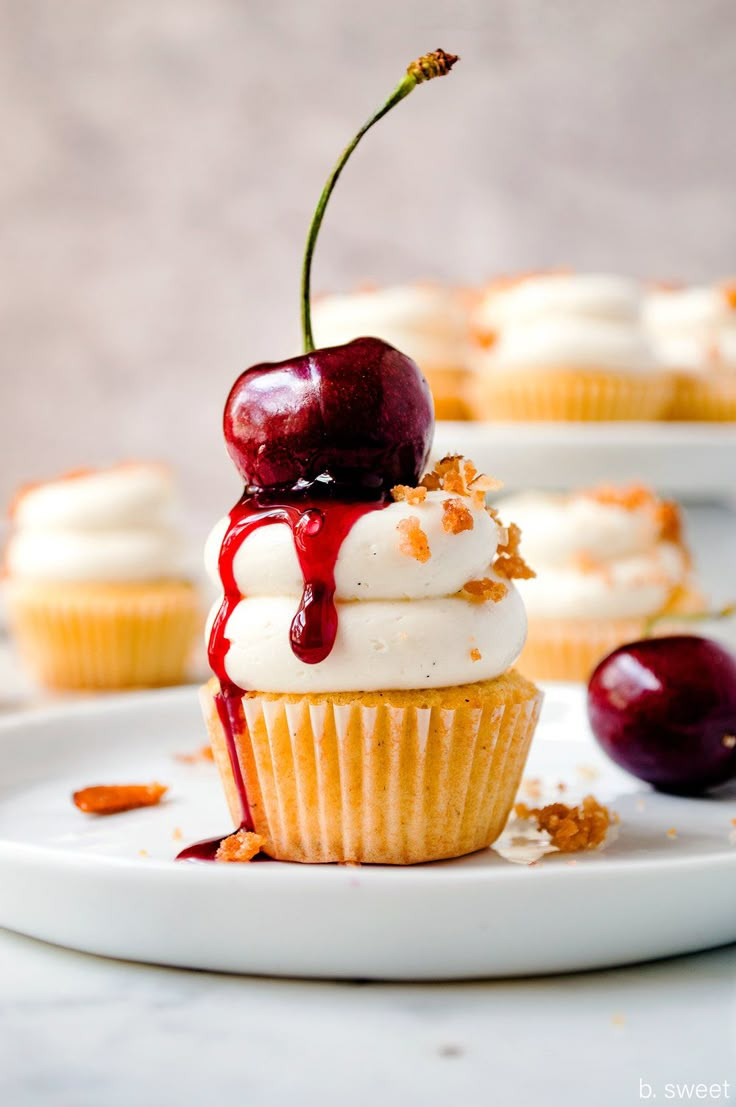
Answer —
562 320
423 590
107 525
427 322
609 552
693 328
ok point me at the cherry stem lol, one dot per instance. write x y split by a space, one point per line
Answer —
423 69
687 617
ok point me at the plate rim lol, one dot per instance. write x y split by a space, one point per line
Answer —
596 867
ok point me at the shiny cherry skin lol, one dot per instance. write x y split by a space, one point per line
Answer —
357 416
664 709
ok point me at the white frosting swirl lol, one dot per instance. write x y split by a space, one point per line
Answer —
401 623
557 322
594 295
108 526
693 328
426 323
595 559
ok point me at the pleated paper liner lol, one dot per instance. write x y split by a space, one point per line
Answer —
708 397
449 391
571 395
105 636
570 649
391 778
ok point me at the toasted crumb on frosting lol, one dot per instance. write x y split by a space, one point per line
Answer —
637 497
509 562
456 516
475 654
481 591
240 847
403 493
456 474
413 540
571 829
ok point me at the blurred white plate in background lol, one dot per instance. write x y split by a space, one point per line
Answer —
110 886
693 460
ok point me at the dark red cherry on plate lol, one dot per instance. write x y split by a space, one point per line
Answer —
357 416
664 709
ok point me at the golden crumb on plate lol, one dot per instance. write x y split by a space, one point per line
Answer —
240 847
113 799
571 829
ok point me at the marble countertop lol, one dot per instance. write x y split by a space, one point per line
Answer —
81 1031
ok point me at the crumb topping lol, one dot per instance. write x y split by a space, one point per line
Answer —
729 293
112 799
413 541
402 493
509 562
571 829
475 654
459 476
637 497
240 847
204 753
456 516
481 591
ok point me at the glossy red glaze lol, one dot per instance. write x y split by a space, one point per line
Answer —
358 416
319 527
664 709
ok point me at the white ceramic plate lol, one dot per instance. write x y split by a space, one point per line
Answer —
109 885
695 460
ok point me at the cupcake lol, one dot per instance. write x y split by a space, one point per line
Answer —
380 722
566 347
428 322
693 332
364 708
97 594
610 562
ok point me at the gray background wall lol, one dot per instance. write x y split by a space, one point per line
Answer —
160 161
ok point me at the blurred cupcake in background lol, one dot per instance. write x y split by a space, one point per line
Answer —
693 332
97 590
565 347
427 322
609 562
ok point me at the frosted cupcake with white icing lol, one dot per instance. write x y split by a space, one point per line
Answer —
610 561
363 708
427 322
567 347
693 332
98 592
406 740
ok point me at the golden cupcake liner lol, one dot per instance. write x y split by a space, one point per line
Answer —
570 649
389 778
449 388
707 397
105 636
571 395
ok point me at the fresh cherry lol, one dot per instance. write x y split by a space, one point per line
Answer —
664 709
358 416
354 419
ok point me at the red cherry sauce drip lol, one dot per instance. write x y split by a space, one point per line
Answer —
319 528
